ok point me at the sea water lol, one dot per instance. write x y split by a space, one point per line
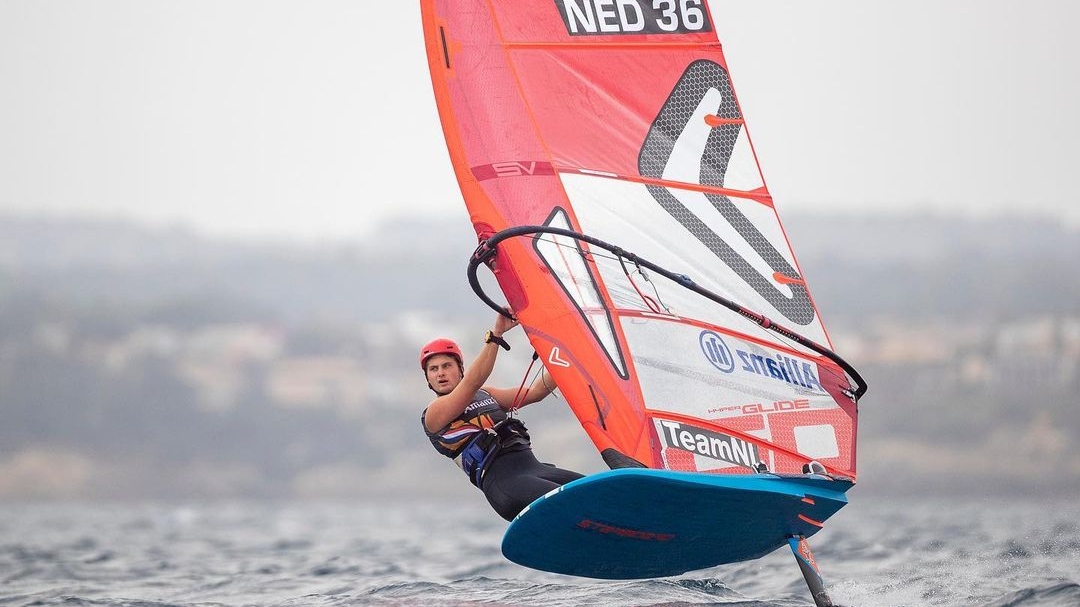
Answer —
874 552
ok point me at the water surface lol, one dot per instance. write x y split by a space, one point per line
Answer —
875 552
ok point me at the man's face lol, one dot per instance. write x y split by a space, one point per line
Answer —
443 373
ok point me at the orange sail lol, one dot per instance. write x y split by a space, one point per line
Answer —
616 121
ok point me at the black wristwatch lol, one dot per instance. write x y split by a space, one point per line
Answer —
492 338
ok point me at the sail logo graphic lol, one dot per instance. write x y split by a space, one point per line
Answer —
681 146
716 351
598 527
512 168
607 17
781 367
707 443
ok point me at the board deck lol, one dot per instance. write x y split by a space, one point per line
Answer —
637 523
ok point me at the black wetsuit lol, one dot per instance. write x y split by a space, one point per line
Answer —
514 477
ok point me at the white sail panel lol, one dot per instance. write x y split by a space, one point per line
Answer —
706 374
628 213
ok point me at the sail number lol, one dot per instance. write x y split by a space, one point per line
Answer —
605 17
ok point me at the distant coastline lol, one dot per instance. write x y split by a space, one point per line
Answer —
144 362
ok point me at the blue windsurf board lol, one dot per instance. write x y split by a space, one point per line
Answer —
634 523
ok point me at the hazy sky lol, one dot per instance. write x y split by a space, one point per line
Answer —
314 119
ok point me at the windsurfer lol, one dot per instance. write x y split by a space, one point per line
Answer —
471 423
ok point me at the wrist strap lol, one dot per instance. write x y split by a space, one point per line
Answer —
492 338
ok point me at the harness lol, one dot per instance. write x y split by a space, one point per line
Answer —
482 448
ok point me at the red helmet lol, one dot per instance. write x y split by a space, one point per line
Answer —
440 346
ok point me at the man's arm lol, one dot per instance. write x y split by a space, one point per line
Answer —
540 388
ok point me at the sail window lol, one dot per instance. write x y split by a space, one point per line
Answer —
567 261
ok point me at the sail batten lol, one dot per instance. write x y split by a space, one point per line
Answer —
759 195
609 46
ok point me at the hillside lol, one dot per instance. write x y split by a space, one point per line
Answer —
137 362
